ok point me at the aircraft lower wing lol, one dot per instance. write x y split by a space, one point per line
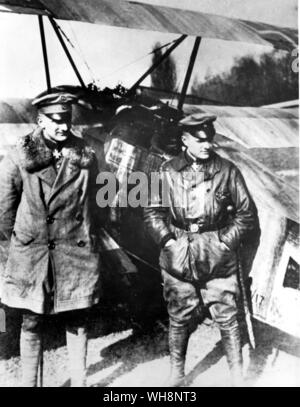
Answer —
157 18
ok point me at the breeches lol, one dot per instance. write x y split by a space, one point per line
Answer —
35 323
183 299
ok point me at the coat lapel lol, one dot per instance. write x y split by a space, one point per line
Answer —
48 175
76 157
209 168
37 158
67 172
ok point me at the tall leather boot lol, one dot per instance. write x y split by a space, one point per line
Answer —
231 340
77 351
30 350
178 342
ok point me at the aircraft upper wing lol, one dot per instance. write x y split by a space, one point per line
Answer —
140 16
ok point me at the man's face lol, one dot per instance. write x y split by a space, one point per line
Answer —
200 144
56 126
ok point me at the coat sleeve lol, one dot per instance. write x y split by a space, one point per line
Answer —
156 214
244 224
10 194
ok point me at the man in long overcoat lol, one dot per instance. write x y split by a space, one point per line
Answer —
48 212
200 220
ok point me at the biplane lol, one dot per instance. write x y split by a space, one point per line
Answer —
132 130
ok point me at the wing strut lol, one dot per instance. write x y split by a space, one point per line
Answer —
189 73
158 62
45 56
61 40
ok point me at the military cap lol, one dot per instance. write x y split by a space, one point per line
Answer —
197 120
58 102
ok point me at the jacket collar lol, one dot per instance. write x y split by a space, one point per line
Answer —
210 168
35 155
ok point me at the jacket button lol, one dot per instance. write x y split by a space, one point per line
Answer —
51 245
79 217
81 243
49 219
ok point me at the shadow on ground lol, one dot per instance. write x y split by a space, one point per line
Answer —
269 341
128 353
145 345
103 319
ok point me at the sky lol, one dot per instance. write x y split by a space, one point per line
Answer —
111 55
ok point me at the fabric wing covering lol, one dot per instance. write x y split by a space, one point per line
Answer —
158 18
264 143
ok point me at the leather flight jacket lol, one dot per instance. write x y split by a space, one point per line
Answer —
229 216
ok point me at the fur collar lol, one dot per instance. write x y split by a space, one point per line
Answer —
34 154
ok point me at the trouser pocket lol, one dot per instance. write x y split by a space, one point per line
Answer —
175 259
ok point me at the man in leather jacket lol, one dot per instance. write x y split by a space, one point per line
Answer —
208 216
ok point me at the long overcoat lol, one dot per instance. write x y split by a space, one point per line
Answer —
52 221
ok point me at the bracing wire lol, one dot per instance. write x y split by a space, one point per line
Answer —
77 49
138 59
80 53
